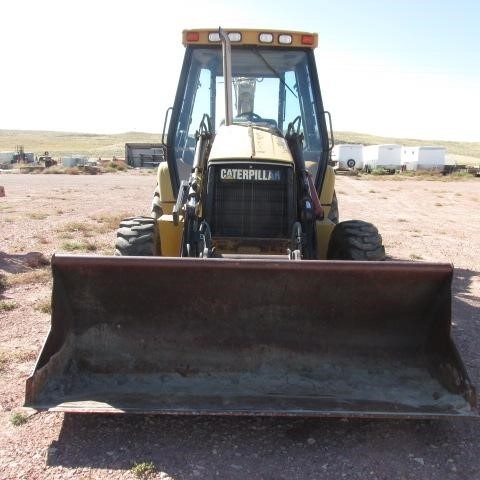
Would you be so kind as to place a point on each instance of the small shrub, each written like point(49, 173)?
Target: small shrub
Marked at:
point(72, 246)
point(76, 227)
point(44, 306)
point(75, 246)
point(66, 236)
point(90, 247)
point(38, 216)
point(116, 167)
point(18, 419)
point(3, 361)
point(3, 282)
point(143, 469)
point(7, 306)
point(24, 355)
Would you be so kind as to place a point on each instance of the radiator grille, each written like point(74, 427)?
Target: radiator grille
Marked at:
point(258, 208)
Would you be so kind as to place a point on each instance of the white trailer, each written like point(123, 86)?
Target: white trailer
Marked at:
point(424, 158)
point(388, 156)
point(347, 156)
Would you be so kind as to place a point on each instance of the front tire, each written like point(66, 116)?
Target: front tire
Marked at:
point(355, 240)
point(137, 236)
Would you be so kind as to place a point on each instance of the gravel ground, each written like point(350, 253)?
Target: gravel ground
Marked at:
point(419, 220)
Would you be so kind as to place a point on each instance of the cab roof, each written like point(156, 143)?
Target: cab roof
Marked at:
point(260, 37)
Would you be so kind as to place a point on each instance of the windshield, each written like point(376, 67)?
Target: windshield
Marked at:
point(270, 88)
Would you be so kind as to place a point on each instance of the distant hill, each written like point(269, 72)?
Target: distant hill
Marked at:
point(109, 145)
point(60, 144)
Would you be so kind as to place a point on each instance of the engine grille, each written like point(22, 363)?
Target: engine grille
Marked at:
point(254, 201)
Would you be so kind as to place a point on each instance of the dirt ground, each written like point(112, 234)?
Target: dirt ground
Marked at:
point(421, 220)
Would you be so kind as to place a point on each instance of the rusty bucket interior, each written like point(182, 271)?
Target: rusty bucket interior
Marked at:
point(251, 337)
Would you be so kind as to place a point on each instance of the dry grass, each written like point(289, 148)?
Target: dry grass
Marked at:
point(76, 227)
point(418, 175)
point(38, 275)
point(7, 305)
point(18, 419)
point(38, 216)
point(109, 223)
point(3, 282)
point(13, 355)
point(44, 305)
point(85, 237)
point(3, 361)
point(102, 224)
point(81, 246)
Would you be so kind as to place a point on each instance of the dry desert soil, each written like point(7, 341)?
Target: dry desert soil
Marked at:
point(420, 219)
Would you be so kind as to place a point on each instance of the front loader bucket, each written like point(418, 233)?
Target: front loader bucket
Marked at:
point(251, 337)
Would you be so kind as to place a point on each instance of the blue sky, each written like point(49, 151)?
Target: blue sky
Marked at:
point(396, 68)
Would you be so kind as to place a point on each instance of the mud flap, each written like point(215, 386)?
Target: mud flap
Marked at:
point(251, 337)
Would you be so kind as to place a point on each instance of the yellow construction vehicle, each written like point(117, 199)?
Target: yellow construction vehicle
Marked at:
point(242, 292)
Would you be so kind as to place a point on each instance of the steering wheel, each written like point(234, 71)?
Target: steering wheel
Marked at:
point(249, 116)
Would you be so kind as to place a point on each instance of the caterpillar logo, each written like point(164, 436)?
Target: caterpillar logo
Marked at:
point(250, 174)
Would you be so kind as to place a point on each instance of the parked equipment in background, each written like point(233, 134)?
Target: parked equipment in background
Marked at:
point(46, 160)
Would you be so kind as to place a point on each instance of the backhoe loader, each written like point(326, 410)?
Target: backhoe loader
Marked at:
point(240, 292)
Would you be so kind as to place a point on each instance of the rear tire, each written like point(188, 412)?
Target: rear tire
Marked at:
point(137, 236)
point(355, 240)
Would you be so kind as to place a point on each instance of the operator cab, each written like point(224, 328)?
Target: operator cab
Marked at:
point(274, 85)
